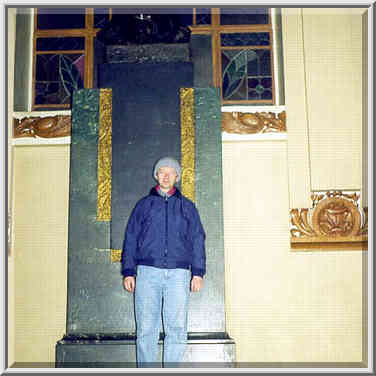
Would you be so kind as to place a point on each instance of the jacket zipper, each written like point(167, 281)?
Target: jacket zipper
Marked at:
point(166, 229)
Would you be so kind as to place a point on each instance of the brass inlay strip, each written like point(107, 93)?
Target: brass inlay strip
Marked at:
point(115, 255)
point(187, 142)
point(104, 156)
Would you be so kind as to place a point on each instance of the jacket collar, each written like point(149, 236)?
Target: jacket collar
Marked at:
point(154, 192)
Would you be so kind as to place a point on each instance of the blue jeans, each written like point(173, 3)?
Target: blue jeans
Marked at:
point(167, 291)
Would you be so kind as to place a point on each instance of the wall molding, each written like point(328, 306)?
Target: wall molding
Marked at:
point(253, 123)
point(335, 221)
point(43, 127)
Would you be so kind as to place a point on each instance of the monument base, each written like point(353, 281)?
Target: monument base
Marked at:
point(211, 350)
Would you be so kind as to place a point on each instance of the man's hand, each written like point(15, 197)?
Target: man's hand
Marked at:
point(196, 283)
point(129, 283)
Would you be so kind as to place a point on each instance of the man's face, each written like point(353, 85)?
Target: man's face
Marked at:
point(166, 177)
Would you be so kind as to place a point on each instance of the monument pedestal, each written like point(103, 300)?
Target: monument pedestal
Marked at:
point(119, 351)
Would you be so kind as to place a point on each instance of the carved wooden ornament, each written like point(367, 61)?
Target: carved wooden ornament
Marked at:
point(334, 218)
point(250, 123)
point(45, 127)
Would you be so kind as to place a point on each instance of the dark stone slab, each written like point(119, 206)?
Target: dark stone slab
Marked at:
point(145, 127)
point(99, 58)
point(201, 52)
point(119, 351)
point(148, 53)
point(207, 309)
point(146, 26)
point(92, 286)
point(22, 59)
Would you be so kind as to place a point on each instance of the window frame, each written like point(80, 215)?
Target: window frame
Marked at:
point(89, 33)
point(216, 29)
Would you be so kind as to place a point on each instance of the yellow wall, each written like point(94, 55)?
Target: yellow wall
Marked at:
point(285, 306)
point(333, 64)
point(41, 195)
point(324, 78)
point(282, 306)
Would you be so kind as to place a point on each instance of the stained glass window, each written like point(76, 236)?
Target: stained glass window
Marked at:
point(60, 44)
point(246, 75)
point(242, 52)
point(203, 16)
point(101, 17)
point(246, 58)
point(60, 18)
point(56, 76)
point(245, 39)
point(244, 16)
point(242, 47)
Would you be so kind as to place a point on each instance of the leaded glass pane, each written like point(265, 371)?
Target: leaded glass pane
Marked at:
point(259, 62)
point(60, 18)
point(233, 72)
point(101, 17)
point(267, 94)
point(245, 39)
point(244, 16)
point(203, 16)
point(57, 76)
point(246, 75)
point(60, 44)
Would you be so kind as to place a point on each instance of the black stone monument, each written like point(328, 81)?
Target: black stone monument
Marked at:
point(146, 125)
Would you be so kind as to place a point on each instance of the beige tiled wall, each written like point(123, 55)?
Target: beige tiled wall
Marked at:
point(333, 56)
point(296, 105)
point(324, 61)
point(286, 306)
point(41, 194)
point(282, 306)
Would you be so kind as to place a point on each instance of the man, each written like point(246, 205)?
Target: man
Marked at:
point(163, 255)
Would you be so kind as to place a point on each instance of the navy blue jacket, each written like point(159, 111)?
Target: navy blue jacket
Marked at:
point(164, 233)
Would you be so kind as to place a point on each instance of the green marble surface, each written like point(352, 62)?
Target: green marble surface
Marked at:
point(96, 301)
point(207, 307)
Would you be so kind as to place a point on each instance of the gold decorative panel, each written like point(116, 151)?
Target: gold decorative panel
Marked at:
point(104, 156)
point(187, 142)
point(334, 220)
point(115, 255)
point(250, 123)
point(45, 127)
